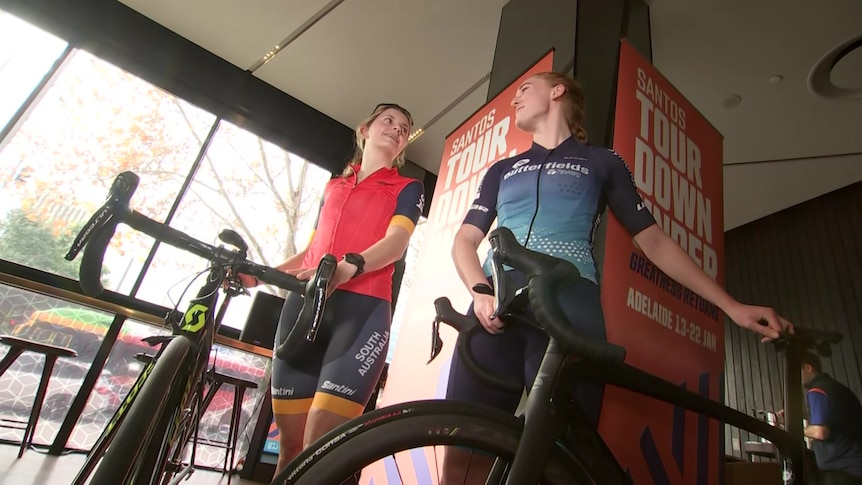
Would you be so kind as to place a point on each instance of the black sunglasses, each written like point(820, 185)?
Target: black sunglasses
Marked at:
point(383, 106)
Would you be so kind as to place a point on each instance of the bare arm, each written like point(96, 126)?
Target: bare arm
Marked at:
point(380, 254)
point(670, 258)
point(387, 250)
point(817, 432)
point(467, 240)
point(292, 262)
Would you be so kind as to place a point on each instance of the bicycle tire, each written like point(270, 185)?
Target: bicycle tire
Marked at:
point(173, 428)
point(397, 428)
point(137, 430)
point(159, 450)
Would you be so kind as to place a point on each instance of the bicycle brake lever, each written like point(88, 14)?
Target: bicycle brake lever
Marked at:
point(325, 272)
point(436, 341)
point(498, 276)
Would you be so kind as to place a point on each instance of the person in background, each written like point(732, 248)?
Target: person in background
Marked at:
point(834, 425)
point(366, 218)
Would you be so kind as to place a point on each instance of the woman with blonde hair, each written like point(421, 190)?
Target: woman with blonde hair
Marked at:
point(551, 198)
point(366, 218)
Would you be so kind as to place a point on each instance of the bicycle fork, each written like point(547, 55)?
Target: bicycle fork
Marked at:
point(542, 425)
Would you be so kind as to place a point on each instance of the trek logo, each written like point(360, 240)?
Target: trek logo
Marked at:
point(520, 163)
point(339, 388)
point(641, 206)
point(481, 208)
point(421, 204)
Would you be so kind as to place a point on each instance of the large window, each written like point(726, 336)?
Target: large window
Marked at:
point(88, 122)
point(29, 315)
point(26, 54)
point(267, 195)
point(93, 122)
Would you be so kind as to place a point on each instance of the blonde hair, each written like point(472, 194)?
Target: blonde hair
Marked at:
point(573, 101)
point(360, 140)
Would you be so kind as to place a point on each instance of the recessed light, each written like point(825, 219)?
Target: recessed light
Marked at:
point(732, 101)
point(776, 79)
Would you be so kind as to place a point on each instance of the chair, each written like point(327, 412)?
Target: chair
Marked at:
point(217, 379)
point(17, 346)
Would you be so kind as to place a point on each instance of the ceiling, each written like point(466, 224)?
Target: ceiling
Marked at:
point(783, 145)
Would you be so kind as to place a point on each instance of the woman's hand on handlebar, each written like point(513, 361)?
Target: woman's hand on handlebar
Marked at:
point(760, 319)
point(344, 271)
point(483, 307)
point(247, 281)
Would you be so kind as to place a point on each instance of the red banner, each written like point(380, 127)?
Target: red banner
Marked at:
point(488, 136)
point(675, 157)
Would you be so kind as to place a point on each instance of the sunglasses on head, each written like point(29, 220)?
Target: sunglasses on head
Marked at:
point(384, 106)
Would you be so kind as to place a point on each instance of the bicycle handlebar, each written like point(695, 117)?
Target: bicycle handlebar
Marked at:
point(808, 338)
point(96, 234)
point(547, 275)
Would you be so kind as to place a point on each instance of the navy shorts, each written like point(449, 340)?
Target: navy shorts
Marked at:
point(345, 362)
point(517, 353)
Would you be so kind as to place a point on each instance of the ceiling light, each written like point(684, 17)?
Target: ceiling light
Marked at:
point(416, 134)
point(732, 101)
point(776, 79)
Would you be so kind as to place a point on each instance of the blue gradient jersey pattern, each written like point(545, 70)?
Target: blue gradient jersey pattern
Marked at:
point(552, 200)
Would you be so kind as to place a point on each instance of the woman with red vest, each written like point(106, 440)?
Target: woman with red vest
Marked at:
point(366, 218)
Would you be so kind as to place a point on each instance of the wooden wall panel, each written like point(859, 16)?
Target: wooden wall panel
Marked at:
point(805, 262)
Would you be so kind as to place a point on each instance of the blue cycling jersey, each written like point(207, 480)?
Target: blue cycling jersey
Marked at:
point(552, 200)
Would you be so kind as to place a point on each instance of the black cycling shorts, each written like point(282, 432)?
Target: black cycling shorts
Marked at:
point(517, 353)
point(345, 361)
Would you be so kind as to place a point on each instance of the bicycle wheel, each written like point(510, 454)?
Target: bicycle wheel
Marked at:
point(138, 429)
point(381, 434)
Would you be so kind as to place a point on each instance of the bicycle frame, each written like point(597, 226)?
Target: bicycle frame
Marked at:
point(197, 325)
point(550, 413)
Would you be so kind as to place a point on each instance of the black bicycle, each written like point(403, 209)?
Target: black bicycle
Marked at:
point(552, 441)
point(146, 439)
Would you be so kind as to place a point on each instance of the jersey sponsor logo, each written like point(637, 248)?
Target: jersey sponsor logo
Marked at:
point(421, 204)
point(383, 182)
point(521, 163)
point(339, 388)
point(371, 351)
point(478, 190)
point(552, 168)
point(521, 169)
point(282, 391)
point(641, 206)
point(566, 168)
point(477, 207)
point(620, 158)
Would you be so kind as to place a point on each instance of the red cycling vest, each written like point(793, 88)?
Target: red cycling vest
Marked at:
point(353, 217)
